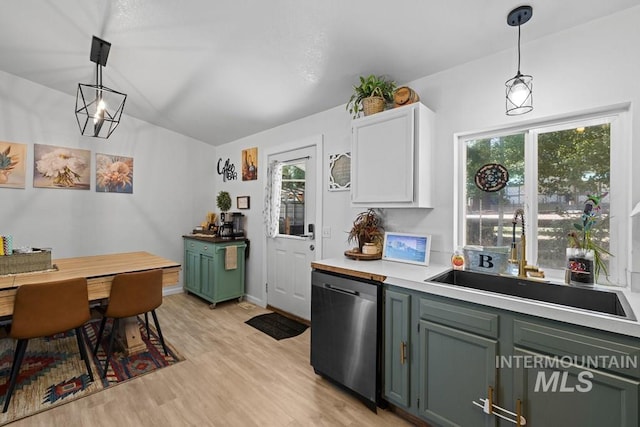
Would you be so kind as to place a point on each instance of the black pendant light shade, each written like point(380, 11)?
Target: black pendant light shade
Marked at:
point(98, 108)
point(519, 92)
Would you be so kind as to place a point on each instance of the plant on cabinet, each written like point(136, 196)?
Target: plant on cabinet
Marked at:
point(223, 201)
point(371, 95)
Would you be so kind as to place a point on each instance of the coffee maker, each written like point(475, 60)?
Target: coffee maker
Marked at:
point(238, 224)
point(226, 227)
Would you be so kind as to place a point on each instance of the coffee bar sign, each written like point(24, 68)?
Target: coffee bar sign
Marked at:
point(227, 170)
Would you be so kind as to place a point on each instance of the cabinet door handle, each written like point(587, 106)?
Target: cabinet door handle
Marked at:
point(491, 408)
point(403, 352)
point(520, 420)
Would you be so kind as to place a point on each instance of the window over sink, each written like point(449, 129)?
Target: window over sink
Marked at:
point(552, 168)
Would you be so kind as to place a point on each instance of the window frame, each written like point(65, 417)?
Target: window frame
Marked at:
point(620, 196)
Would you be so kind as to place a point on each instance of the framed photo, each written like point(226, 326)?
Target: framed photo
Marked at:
point(250, 164)
point(340, 172)
point(114, 174)
point(13, 162)
point(61, 167)
point(242, 202)
point(409, 248)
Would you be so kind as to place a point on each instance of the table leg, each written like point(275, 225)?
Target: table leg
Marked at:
point(129, 336)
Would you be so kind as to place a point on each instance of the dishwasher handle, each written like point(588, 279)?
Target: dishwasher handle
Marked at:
point(342, 290)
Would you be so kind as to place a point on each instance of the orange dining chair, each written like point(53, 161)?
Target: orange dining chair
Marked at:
point(45, 309)
point(132, 294)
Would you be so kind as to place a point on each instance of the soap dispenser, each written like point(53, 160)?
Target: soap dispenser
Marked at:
point(457, 260)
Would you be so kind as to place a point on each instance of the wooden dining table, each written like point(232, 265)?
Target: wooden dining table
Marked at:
point(99, 270)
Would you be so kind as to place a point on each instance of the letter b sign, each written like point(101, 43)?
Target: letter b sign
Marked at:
point(486, 261)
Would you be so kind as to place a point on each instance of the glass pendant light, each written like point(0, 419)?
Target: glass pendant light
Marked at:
point(519, 93)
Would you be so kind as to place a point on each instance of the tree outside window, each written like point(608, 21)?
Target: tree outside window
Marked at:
point(572, 163)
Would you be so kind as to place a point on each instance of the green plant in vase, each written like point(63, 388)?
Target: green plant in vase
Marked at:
point(583, 245)
point(223, 201)
point(367, 228)
point(369, 89)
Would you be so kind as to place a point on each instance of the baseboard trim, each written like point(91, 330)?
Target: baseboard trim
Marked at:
point(418, 422)
point(172, 290)
point(289, 315)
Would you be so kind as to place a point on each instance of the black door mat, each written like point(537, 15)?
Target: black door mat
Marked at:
point(276, 325)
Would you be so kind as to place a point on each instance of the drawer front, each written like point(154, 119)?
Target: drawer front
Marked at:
point(198, 246)
point(594, 352)
point(464, 318)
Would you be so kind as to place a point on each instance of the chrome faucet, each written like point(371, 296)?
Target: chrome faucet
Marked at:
point(523, 268)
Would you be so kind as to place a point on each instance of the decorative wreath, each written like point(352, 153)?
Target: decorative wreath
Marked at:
point(492, 177)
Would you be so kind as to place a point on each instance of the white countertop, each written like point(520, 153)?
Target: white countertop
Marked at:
point(413, 277)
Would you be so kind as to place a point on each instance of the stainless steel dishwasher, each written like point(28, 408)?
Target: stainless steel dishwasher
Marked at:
point(346, 320)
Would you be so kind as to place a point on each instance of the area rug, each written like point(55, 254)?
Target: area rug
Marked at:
point(53, 373)
point(276, 325)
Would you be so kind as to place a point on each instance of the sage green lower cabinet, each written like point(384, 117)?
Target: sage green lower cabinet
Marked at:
point(457, 352)
point(570, 376)
point(565, 394)
point(205, 273)
point(396, 351)
point(456, 368)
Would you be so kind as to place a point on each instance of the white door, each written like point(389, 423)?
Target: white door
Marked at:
point(291, 251)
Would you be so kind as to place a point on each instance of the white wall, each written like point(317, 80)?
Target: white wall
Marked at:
point(175, 181)
point(334, 126)
point(591, 66)
point(172, 182)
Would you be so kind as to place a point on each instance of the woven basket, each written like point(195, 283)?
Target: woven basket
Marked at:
point(373, 104)
point(24, 263)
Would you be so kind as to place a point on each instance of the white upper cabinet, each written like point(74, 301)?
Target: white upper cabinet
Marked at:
point(391, 158)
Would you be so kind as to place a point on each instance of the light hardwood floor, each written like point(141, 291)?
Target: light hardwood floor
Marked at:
point(233, 375)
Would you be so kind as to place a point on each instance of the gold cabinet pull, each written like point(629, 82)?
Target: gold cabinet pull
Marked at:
point(490, 399)
point(403, 352)
point(520, 421)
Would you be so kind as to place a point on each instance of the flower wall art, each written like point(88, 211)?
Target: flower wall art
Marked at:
point(13, 160)
point(114, 174)
point(60, 167)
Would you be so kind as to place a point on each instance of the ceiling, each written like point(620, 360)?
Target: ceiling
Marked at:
point(219, 70)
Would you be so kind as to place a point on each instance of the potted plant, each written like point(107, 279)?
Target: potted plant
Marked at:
point(371, 96)
point(585, 258)
point(223, 201)
point(367, 228)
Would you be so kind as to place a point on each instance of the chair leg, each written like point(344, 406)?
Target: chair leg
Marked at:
point(114, 330)
point(83, 352)
point(18, 356)
point(146, 321)
point(99, 338)
point(155, 320)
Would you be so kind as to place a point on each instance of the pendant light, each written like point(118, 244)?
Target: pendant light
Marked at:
point(98, 108)
point(519, 94)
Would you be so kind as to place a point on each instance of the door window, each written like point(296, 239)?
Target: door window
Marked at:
point(292, 199)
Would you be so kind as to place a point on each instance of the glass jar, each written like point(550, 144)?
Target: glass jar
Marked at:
point(580, 266)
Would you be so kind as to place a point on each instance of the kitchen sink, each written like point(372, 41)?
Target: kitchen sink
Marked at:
point(611, 302)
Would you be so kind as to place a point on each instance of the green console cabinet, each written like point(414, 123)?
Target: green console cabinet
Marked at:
point(210, 273)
